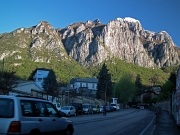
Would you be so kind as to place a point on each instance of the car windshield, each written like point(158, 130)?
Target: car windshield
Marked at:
point(6, 108)
point(65, 108)
point(113, 104)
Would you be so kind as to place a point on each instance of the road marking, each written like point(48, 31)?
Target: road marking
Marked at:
point(152, 132)
point(148, 126)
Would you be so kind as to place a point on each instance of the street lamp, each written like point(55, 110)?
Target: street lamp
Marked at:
point(105, 91)
point(69, 80)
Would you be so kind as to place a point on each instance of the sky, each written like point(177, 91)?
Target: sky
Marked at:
point(154, 15)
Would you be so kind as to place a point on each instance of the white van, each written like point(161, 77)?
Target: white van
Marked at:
point(32, 116)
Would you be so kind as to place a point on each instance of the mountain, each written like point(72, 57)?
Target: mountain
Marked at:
point(87, 43)
point(39, 43)
point(92, 42)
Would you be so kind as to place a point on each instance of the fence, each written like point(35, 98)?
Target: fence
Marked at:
point(171, 107)
point(82, 100)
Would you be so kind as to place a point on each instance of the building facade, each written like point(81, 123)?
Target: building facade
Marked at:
point(39, 76)
point(86, 86)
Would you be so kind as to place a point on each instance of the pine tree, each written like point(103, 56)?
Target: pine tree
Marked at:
point(138, 82)
point(8, 81)
point(50, 84)
point(104, 83)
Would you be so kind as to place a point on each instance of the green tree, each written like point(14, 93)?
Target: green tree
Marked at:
point(50, 84)
point(154, 79)
point(168, 87)
point(172, 78)
point(166, 90)
point(147, 98)
point(125, 88)
point(138, 83)
point(8, 81)
point(104, 83)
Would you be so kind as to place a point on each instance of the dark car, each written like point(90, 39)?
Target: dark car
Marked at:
point(79, 108)
point(109, 108)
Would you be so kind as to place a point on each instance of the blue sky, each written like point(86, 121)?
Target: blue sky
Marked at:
point(154, 15)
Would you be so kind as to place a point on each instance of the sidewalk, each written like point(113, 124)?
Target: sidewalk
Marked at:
point(165, 125)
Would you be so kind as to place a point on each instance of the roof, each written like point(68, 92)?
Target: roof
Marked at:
point(26, 83)
point(88, 80)
point(44, 69)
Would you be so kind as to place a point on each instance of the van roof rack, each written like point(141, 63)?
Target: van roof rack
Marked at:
point(30, 97)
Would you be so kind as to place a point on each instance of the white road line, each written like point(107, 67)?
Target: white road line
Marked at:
point(147, 126)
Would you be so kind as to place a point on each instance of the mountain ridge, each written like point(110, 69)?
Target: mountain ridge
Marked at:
point(122, 38)
point(91, 43)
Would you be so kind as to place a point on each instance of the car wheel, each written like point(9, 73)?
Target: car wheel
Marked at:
point(68, 114)
point(68, 131)
point(75, 114)
point(35, 132)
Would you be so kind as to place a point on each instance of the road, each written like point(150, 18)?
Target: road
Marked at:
point(122, 122)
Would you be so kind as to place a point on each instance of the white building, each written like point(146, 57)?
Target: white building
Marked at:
point(89, 83)
point(28, 88)
point(39, 76)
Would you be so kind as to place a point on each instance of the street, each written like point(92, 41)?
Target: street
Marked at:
point(123, 122)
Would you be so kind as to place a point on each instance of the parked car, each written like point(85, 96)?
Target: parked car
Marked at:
point(29, 115)
point(141, 107)
point(87, 109)
point(118, 107)
point(115, 106)
point(101, 109)
point(109, 108)
point(96, 109)
point(79, 108)
point(69, 110)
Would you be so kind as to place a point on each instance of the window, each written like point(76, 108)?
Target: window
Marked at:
point(6, 108)
point(39, 72)
point(93, 85)
point(51, 110)
point(26, 108)
point(38, 109)
point(39, 94)
point(40, 79)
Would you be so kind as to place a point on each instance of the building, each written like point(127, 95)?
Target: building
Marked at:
point(86, 86)
point(178, 97)
point(154, 92)
point(39, 75)
point(29, 88)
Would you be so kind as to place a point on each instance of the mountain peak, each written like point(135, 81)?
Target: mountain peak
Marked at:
point(96, 21)
point(129, 19)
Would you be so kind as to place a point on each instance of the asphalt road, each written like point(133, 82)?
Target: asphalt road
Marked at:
point(122, 122)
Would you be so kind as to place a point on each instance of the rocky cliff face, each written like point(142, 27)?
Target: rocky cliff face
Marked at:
point(91, 43)
point(39, 43)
